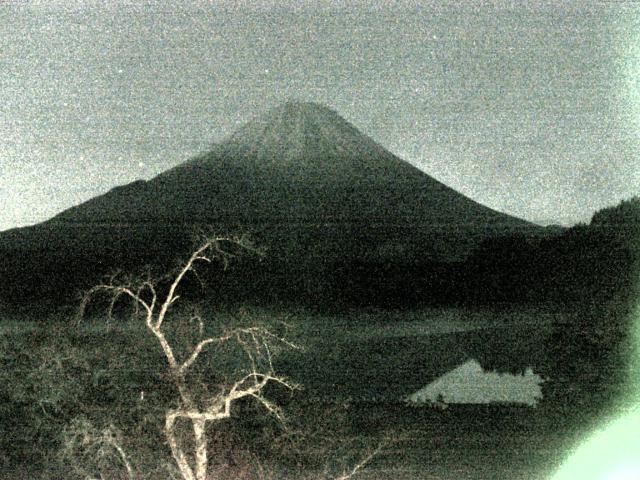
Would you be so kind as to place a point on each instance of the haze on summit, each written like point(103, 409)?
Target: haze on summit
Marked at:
point(530, 108)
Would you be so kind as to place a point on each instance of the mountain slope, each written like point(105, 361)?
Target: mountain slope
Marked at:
point(299, 162)
point(304, 182)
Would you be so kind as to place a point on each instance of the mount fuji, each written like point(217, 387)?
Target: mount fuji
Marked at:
point(300, 162)
point(300, 179)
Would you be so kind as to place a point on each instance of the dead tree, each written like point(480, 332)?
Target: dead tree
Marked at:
point(153, 303)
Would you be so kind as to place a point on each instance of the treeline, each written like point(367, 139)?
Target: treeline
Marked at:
point(591, 272)
point(594, 263)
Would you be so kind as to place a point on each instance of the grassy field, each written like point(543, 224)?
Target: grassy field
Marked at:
point(355, 369)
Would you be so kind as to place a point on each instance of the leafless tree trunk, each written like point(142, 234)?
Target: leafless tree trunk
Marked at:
point(256, 342)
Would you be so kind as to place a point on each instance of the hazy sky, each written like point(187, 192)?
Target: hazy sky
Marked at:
point(532, 108)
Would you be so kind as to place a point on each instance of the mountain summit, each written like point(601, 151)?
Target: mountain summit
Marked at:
point(303, 141)
point(300, 132)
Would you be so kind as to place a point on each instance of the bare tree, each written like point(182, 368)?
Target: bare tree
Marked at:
point(82, 439)
point(153, 302)
point(362, 463)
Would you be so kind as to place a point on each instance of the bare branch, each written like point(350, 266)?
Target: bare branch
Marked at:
point(111, 437)
point(271, 407)
point(362, 463)
point(258, 344)
point(238, 390)
point(196, 352)
point(171, 296)
point(148, 285)
point(115, 292)
point(200, 254)
point(164, 344)
point(198, 318)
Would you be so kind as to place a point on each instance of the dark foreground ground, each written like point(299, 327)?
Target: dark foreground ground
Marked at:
point(372, 373)
point(463, 442)
point(356, 370)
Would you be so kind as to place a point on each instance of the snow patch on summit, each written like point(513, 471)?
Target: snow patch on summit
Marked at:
point(296, 131)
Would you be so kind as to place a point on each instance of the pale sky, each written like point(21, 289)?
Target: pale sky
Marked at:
point(531, 108)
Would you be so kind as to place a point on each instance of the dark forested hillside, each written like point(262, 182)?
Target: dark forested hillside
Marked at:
point(597, 261)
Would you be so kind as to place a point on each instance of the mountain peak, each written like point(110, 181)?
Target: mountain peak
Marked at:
point(297, 131)
point(288, 115)
point(297, 108)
